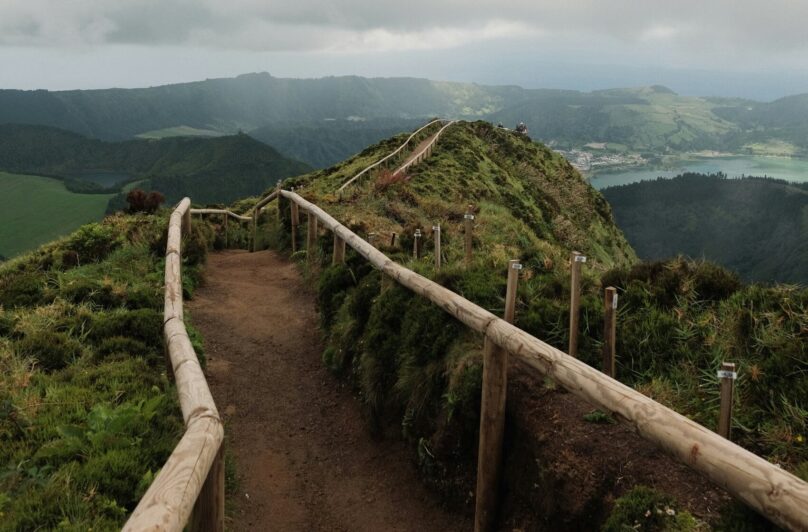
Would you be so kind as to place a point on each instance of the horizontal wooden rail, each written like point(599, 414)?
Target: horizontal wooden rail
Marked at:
point(773, 492)
point(425, 151)
point(389, 156)
point(222, 211)
point(196, 461)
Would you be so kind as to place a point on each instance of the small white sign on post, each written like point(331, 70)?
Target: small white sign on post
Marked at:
point(724, 374)
point(468, 216)
point(614, 302)
point(516, 266)
point(580, 258)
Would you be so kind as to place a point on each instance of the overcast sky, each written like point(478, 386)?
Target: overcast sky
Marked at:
point(708, 47)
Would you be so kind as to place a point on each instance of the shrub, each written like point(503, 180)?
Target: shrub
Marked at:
point(52, 350)
point(145, 325)
point(645, 509)
point(122, 345)
point(22, 289)
point(93, 242)
point(142, 201)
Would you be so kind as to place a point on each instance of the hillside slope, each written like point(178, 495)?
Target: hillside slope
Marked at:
point(208, 169)
point(647, 119)
point(757, 227)
point(530, 201)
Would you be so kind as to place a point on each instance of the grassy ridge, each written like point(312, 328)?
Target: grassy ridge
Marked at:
point(36, 210)
point(418, 372)
point(87, 414)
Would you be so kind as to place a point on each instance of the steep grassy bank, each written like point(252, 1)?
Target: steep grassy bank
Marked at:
point(87, 414)
point(417, 372)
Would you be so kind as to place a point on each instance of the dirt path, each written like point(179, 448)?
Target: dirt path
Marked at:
point(304, 457)
point(418, 149)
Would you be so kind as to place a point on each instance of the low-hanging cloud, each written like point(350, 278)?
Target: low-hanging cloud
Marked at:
point(373, 25)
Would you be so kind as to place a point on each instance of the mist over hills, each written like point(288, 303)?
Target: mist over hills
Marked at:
point(299, 116)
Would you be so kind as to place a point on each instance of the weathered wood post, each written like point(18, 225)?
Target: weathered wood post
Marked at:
point(436, 236)
point(186, 222)
point(254, 230)
point(208, 512)
point(278, 198)
point(226, 235)
point(575, 300)
point(338, 255)
point(727, 375)
point(295, 223)
point(609, 330)
point(468, 228)
point(416, 244)
point(311, 237)
point(492, 415)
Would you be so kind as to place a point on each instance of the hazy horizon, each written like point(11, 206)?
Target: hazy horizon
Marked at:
point(716, 48)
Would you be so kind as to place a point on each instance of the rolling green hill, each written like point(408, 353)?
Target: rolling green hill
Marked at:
point(283, 112)
point(208, 169)
point(757, 227)
point(35, 210)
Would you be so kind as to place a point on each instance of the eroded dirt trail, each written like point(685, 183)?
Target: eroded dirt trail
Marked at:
point(304, 457)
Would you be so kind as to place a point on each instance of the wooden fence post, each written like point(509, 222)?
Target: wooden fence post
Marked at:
point(468, 228)
point(186, 222)
point(416, 244)
point(492, 415)
point(727, 375)
point(338, 255)
point(311, 240)
point(295, 223)
point(254, 246)
point(278, 198)
point(609, 330)
point(575, 300)
point(226, 235)
point(208, 512)
point(436, 236)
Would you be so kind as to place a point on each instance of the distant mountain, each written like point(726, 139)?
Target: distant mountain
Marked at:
point(207, 169)
point(348, 111)
point(246, 103)
point(324, 143)
point(756, 226)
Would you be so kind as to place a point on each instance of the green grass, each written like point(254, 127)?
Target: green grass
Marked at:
point(35, 210)
point(87, 413)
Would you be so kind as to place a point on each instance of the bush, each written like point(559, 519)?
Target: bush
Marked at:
point(52, 350)
point(22, 289)
point(144, 325)
point(142, 201)
point(122, 345)
point(645, 509)
point(93, 242)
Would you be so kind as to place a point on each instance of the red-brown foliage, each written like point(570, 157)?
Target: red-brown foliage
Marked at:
point(142, 201)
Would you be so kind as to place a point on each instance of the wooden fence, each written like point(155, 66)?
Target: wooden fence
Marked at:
point(396, 152)
point(775, 493)
point(192, 478)
point(190, 486)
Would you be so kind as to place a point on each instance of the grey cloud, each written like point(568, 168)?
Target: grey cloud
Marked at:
point(690, 26)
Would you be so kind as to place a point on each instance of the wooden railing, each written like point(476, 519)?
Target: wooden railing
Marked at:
point(425, 152)
point(192, 478)
point(391, 155)
point(775, 493)
point(190, 486)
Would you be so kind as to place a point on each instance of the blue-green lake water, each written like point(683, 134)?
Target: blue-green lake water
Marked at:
point(776, 167)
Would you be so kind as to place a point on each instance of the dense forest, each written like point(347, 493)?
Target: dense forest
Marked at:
point(208, 169)
point(755, 226)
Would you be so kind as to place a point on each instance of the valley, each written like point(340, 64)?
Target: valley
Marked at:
point(35, 210)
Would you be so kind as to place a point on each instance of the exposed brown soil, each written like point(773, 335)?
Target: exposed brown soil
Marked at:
point(304, 456)
point(411, 157)
point(564, 472)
